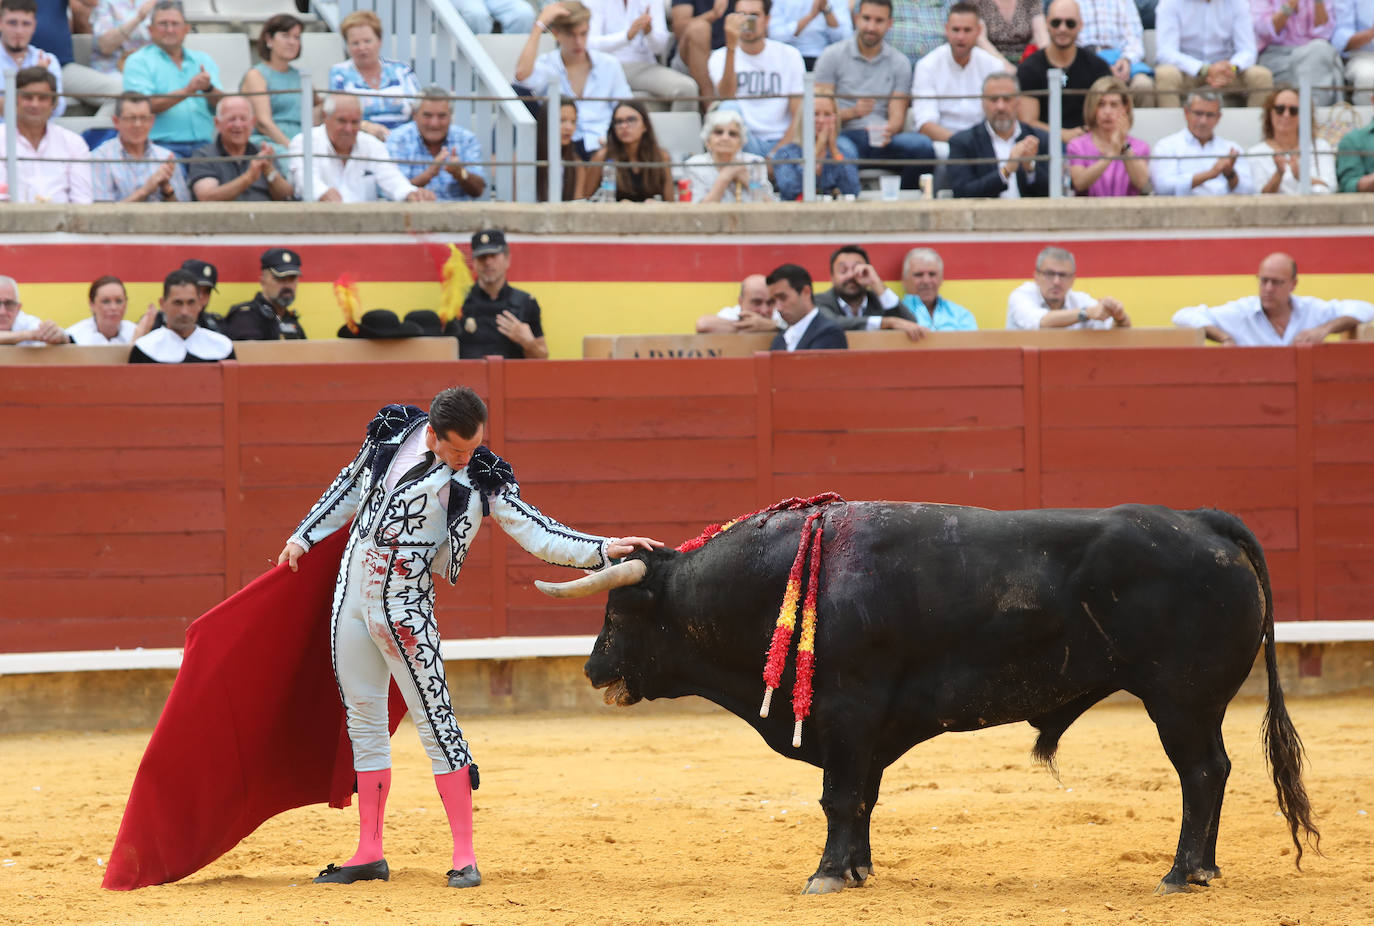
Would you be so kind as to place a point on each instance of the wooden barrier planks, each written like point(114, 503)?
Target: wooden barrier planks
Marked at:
point(1343, 481)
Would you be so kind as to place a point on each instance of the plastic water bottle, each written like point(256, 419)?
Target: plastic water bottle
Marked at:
point(755, 189)
point(606, 192)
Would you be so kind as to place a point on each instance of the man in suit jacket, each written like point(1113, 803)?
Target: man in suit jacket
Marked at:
point(1015, 172)
point(858, 300)
point(789, 293)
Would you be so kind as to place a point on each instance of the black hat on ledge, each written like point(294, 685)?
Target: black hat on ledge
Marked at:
point(382, 324)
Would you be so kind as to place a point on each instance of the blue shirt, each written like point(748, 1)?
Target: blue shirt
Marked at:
point(948, 316)
point(605, 80)
point(782, 26)
point(1244, 319)
point(52, 31)
point(31, 58)
point(149, 70)
point(1351, 16)
point(405, 144)
point(399, 85)
point(112, 182)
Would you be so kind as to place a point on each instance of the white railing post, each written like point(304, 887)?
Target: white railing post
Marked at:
point(1056, 123)
point(307, 128)
point(808, 138)
point(1305, 149)
point(554, 137)
point(11, 135)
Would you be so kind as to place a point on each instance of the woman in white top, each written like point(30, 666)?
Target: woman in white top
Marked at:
point(713, 178)
point(107, 324)
point(1273, 162)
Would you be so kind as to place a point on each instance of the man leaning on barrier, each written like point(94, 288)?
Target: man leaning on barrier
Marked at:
point(1050, 301)
point(858, 300)
point(750, 315)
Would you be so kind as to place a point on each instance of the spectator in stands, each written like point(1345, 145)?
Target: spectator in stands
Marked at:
point(515, 16)
point(107, 324)
point(268, 316)
point(699, 27)
point(836, 173)
point(572, 175)
point(17, 326)
point(632, 140)
point(180, 340)
point(388, 87)
point(918, 26)
point(278, 117)
point(755, 75)
point(120, 28)
point(871, 81)
point(1112, 29)
point(949, 80)
point(435, 154)
point(789, 294)
point(579, 71)
point(1276, 316)
point(636, 33)
point(1108, 160)
point(1294, 41)
point(726, 173)
point(1355, 160)
point(1014, 174)
point(17, 21)
point(1014, 26)
point(497, 318)
point(1050, 301)
point(923, 273)
point(750, 315)
point(809, 26)
point(207, 284)
point(1080, 66)
point(54, 35)
point(183, 85)
point(350, 167)
point(858, 300)
point(1201, 43)
point(60, 167)
point(1273, 163)
point(129, 168)
point(251, 175)
point(1354, 39)
point(1194, 161)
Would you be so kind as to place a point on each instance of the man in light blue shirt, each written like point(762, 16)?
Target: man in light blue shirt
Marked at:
point(437, 155)
point(1275, 317)
point(182, 84)
point(810, 26)
point(1354, 39)
point(923, 272)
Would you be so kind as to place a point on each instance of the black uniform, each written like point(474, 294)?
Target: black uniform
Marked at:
point(256, 320)
point(478, 335)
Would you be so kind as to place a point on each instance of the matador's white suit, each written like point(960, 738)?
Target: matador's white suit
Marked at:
point(412, 513)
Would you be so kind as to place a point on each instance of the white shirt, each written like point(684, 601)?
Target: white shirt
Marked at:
point(65, 178)
point(938, 75)
point(776, 70)
point(367, 171)
point(604, 85)
point(1026, 306)
point(166, 346)
point(1190, 34)
point(1245, 321)
point(611, 21)
point(85, 332)
point(1001, 147)
point(794, 333)
point(733, 313)
point(1176, 158)
point(23, 321)
point(1323, 168)
point(888, 300)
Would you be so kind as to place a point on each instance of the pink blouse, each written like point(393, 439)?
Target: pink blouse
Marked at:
point(1083, 152)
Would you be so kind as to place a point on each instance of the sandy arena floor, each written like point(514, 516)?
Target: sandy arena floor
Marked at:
point(643, 815)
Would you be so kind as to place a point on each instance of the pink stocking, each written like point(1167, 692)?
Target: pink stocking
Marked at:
point(373, 788)
point(455, 790)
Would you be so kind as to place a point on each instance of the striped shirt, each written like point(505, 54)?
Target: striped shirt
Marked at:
point(115, 182)
point(918, 27)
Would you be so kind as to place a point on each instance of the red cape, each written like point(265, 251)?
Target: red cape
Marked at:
point(253, 726)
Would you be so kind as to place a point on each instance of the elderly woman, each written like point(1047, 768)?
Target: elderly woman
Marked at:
point(1106, 160)
point(713, 178)
point(278, 115)
point(367, 73)
point(1273, 163)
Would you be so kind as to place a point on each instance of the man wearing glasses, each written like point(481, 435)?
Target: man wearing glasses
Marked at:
point(17, 326)
point(1080, 66)
point(1050, 301)
point(1195, 161)
point(131, 169)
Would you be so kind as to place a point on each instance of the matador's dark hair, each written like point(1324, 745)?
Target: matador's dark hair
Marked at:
point(457, 410)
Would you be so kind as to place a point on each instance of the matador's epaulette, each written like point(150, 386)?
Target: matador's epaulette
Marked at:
point(391, 421)
point(488, 471)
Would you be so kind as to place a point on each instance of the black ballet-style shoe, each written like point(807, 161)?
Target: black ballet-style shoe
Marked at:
point(467, 876)
point(347, 874)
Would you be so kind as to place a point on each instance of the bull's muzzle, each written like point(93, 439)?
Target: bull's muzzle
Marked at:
point(621, 574)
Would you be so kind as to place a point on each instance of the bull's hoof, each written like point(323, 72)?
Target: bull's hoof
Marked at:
point(857, 875)
point(1167, 887)
point(823, 884)
point(1204, 876)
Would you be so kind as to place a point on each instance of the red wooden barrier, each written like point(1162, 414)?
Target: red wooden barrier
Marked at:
point(135, 498)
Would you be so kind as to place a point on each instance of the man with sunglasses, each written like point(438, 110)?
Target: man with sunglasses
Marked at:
point(1209, 44)
point(1050, 301)
point(1080, 66)
point(1195, 161)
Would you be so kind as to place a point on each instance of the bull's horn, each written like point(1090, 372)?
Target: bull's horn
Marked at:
point(626, 573)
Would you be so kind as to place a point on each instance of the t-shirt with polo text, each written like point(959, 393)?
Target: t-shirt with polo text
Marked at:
point(775, 71)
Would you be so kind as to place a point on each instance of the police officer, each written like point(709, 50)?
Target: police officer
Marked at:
point(268, 316)
point(496, 317)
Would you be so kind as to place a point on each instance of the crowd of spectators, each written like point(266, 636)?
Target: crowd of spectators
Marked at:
point(950, 94)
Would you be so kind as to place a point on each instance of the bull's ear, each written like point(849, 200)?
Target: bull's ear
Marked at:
point(621, 574)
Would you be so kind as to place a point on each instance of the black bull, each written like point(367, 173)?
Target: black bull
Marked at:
point(935, 618)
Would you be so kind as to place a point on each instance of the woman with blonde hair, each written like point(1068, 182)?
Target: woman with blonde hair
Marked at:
point(387, 88)
point(1106, 160)
point(1274, 162)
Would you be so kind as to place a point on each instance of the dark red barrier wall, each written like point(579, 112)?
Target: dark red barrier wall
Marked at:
point(135, 498)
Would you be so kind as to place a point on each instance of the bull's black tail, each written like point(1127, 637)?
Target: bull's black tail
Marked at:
point(1282, 747)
